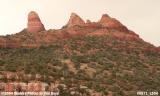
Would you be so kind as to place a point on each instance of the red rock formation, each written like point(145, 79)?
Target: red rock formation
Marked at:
point(32, 38)
point(35, 87)
point(100, 32)
point(9, 87)
point(126, 36)
point(93, 25)
point(2, 42)
point(34, 23)
point(158, 49)
point(75, 20)
point(109, 22)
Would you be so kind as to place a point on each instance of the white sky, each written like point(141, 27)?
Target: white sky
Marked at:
point(141, 16)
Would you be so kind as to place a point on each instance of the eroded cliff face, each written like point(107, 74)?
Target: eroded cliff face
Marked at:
point(35, 34)
point(34, 23)
point(75, 20)
point(110, 22)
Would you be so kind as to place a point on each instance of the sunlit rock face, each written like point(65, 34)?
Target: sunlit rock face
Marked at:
point(109, 22)
point(35, 34)
point(75, 20)
point(34, 23)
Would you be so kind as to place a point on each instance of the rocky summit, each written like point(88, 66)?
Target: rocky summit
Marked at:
point(75, 20)
point(107, 21)
point(35, 34)
point(34, 23)
point(102, 58)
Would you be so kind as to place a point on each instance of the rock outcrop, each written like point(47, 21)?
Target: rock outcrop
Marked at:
point(2, 42)
point(34, 23)
point(75, 20)
point(28, 39)
point(109, 22)
point(158, 49)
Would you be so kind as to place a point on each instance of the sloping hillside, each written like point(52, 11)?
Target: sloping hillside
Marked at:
point(105, 59)
point(101, 63)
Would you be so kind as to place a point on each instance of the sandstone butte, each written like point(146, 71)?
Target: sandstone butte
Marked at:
point(75, 20)
point(107, 21)
point(34, 23)
point(35, 34)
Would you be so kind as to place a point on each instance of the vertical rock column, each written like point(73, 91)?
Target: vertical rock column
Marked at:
point(34, 23)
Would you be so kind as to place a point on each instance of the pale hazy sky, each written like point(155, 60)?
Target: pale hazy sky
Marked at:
point(141, 16)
